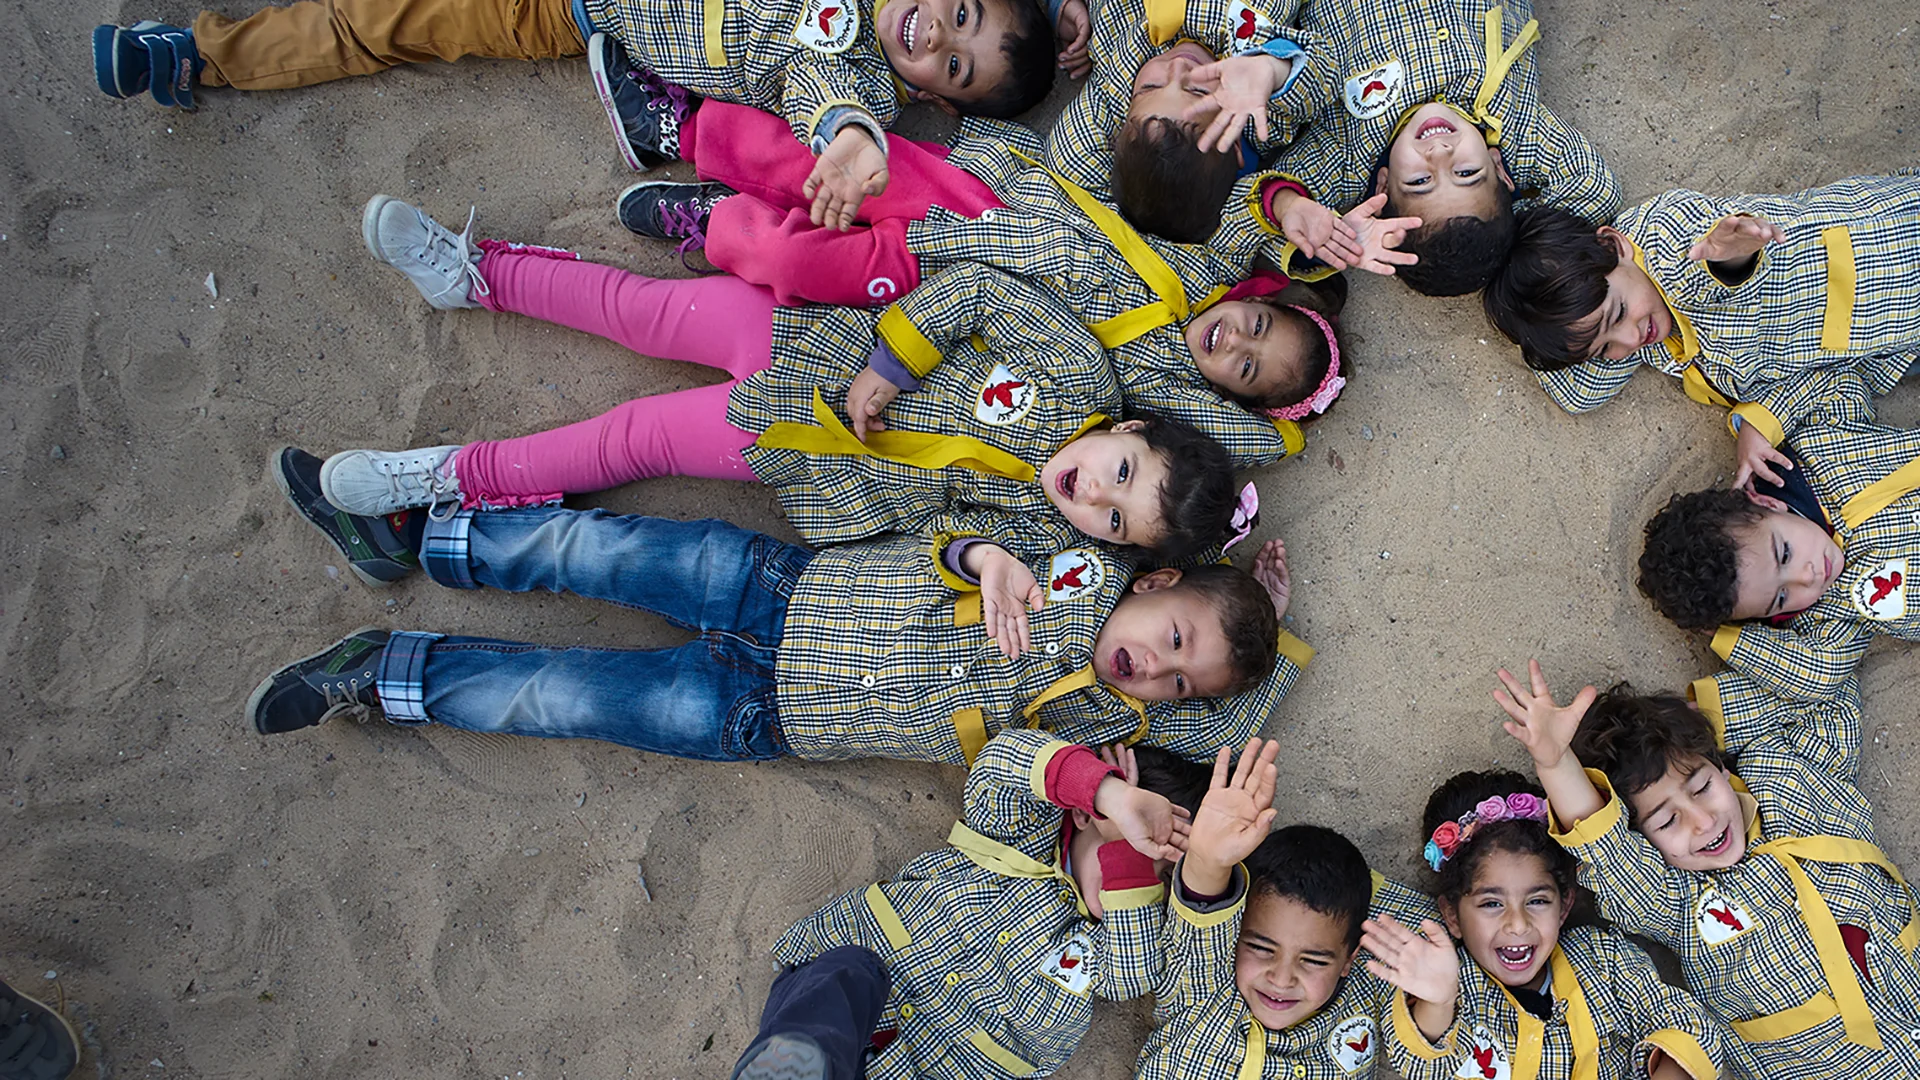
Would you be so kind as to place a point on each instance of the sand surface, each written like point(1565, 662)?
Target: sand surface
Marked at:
point(366, 901)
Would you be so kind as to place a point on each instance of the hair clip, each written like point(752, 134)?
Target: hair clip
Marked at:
point(1246, 512)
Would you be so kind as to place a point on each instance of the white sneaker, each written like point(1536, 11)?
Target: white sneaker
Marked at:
point(374, 482)
point(439, 261)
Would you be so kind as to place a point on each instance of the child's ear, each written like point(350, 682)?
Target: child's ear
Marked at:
point(1618, 241)
point(1125, 426)
point(1164, 578)
point(1500, 168)
point(1082, 820)
point(1767, 501)
point(934, 100)
point(1379, 182)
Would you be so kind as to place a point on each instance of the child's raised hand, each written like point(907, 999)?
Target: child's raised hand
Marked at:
point(1543, 727)
point(851, 168)
point(1735, 238)
point(1423, 962)
point(1007, 591)
point(1379, 238)
point(1155, 827)
point(1120, 756)
point(1238, 87)
point(1072, 29)
point(1270, 570)
point(1238, 810)
point(1318, 232)
point(869, 393)
point(1755, 456)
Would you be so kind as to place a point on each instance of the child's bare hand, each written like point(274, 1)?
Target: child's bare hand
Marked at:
point(1073, 29)
point(1155, 827)
point(1238, 88)
point(1755, 456)
point(869, 393)
point(1120, 756)
point(1270, 570)
point(1379, 238)
point(1007, 591)
point(1422, 963)
point(852, 168)
point(1735, 238)
point(1318, 232)
point(1543, 727)
point(1238, 810)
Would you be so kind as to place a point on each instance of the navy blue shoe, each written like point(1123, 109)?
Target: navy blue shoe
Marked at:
point(147, 56)
point(645, 110)
point(375, 547)
point(314, 689)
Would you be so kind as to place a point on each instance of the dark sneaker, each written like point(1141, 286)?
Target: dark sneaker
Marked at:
point(645, 110)
point(36, 1043)
point(313, 690)
point(147, 56)
point(783, 1057)
point(375, 547)
point(665, 210)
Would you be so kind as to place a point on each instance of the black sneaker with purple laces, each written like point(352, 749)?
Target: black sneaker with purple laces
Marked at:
point(666, 210)
point(645, 110)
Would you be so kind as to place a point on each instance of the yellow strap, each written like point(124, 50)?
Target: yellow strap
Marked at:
point(1011, 1062)
point(909, 346)
point(1291, 437)
point(1080, 680)
point(1165, 20)
point(912, 448)
point(713, 20)
point(968, 610)
point(1499, 62)
point(997, 857)
point(888, 918)
point(1254, 1065)
point(970, 725)
point(1836, 327)
point(1810, 1013)
point(1700, 390)
point(1880, 494)
point(1530, 1044)
point(1586, 1036)
point(1840, 849)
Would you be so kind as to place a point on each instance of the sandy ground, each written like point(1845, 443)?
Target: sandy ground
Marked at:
point(363, 901)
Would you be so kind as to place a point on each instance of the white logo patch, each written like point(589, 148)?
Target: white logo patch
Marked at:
point(827, 26)
point(1370, 93)
point(1352, 1043)
point(881, 287)
point(1485, 1059)
point(1246, 27)
point(1074, 573)
point(1882, 594)
point(1004, 398)
point(1720, 920)
point(1068, 964)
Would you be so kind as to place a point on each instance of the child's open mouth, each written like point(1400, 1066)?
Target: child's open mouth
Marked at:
point(1274, 1003)
point(909, 25)
point(1065, 482)
point(1213, 335)
point(1120, 664)
point(1435, 126)
point(1515, 957)
point(1653, 332)
point(1720, 843)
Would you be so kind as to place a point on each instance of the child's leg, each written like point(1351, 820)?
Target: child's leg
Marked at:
point(316, 41)
point(866, 266)
point(824, 1009)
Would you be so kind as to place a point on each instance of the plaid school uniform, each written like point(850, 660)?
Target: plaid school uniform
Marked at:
point(1865, 477)
point(1764, 943)
point(1610, 1012)
point(993, 958)
point(1204, 1031)
point(1837, 292)
point(793, 58)
point(1386, 59)
point(962, 453)
point(884, 654)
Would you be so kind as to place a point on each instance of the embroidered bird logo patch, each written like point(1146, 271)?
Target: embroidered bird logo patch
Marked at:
point(1881, 594)
point(1369, 93)
point(1005, 398)
point(1720, 919)
point(1067, 965)
point(1074, 573)
point(827, 26)
point(1485, 1059)
point(1247, 26)
point(1351, 1045)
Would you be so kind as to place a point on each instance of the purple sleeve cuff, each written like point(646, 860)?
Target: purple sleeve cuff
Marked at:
point(955, 553)
point(882, 360)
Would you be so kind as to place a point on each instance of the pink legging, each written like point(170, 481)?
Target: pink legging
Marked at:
point(721, 322)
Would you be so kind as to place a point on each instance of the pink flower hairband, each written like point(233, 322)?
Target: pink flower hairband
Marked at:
point(1450, 836)
point(1330, 385)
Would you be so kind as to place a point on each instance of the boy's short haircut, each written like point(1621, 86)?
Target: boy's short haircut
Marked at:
point(1165, 185)
point(1690, 564)
point(1462, 253)
point(1198, 498)
point(1246, 618)
point(1633, 738)
point(1520, 836)
point(1028, 47)
point(1555, 276)
point(1317, 867)
point(1163, 772)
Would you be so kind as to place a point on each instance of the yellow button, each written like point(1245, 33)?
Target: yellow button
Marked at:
point(952, 979)
point(1440, 34)
point(906, 1012)
point(1299, 1070)
point(1005, 937)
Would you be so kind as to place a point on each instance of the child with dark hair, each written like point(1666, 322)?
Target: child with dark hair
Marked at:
point(1803, 572)
point(1533, 997)
point(1156, 156)
point(1767, 880)
point(1742, 297)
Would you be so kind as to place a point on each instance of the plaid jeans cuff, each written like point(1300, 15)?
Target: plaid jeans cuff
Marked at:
point(444, 548)
point(402, 681)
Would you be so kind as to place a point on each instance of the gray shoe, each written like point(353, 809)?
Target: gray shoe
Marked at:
point(375, 482)
point(783, 1057)
point(440, 262)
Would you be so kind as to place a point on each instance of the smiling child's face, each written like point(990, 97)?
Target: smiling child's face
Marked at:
point(1785, 563)
point(1107, 484)
point(1164, 643)
point(1633, 316)
point(1693, 817)
point(1248, 348)
point(1509, 918)
point(949, 50)
point(1439, 166)
point(1290, 959)
point(1164, 85)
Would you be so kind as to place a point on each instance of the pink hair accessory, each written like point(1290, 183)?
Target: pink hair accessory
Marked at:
point(1245, 512)
point(1450, 836)
point(1329, 387)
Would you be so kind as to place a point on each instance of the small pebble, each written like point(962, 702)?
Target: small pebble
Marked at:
point(59, 452)
point(1386, 554)
point(640, 872)
point(530, 852)
point(333, 572)
point(51, 975)
point(1366, 432)
point(580, 799)
point(213, 287)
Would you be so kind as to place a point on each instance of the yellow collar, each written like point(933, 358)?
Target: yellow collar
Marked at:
point(1529, 1049)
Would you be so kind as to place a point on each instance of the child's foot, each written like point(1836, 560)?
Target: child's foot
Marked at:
point(665, 210)
point(147, 56)
point(645, 110)
point(440, 262)
point(376, 548)
point(315, 689)
point(379, 482)
point(36, 1043)
point(784, 1057)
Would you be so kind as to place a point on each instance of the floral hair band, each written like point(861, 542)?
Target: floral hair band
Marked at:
point(1330, 385)
point(1451, 836)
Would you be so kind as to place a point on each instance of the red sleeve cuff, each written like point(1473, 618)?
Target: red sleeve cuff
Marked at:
point(1074, 775)
point(1121, 867)
point(1270, 190)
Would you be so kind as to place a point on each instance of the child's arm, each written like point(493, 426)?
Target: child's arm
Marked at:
point(1253, 439)
point(1379, 238)
point(1073, 26)
point(1676, 1037)
point(1808, 661)
point(1234, 817)
point(1731, 248)
point(1024, 778)
point(1546, 730)
point(1574, 175)
point(1772, 413)
point(1239, 89)
point(1426, 968)
point(1826, 733)
point(851, 167)
point(841, 112)
point(1007, 591)
point(1587, 385)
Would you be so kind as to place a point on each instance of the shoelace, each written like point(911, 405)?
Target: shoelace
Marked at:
point(443, 243)
point(348, 700)
point(683, 219)
point(406, 483)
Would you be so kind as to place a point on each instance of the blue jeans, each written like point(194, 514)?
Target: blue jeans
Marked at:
point(712, 698)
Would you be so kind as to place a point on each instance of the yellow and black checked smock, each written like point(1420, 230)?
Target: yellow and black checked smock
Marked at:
point(1204, 1031)
point(1610, 1011)
point(1838, 292)
point(884, 654)
point(1389, 57)
point(793, 58)
point(1865, 477)
point(993, 958)
point(963, 452)
point(1759, 941)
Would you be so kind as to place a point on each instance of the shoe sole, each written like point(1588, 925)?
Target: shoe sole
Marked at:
point(280, 481)
point(73, 1037)
point(785, 1058)
point(603, 89)
point(266, 685)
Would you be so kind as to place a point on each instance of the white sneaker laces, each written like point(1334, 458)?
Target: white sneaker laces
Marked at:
point(443, 244)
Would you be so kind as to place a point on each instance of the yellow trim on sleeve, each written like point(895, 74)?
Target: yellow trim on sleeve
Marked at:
point(1685, 1049)
point(1594, 825)
point(970, 727)
point(1202, 920)
point(1037, 772)
point(713, 25)
point(1705, 693)
point(1880, 494)
point(1836, 325)
point(969, 609)
point(820, 113)
point(937, 551)
point(888, 918)
point(1289, 252)
point(1809, 1014)
point(1128, 899)
point(1008, 1060)
point(1413, 1039)
point(1293, 649)
point(1292, 436)
point(911, 347)
point(1759, 416)
point(1725, 639)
